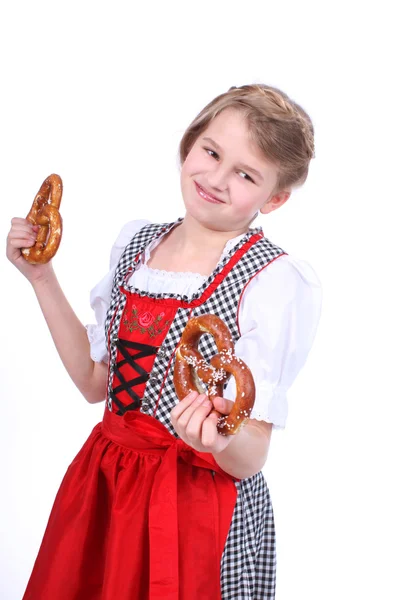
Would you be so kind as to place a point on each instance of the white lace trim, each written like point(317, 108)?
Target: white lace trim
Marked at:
point(258, 416)
point(93, 332)
point(98, 350)
point(174, 274)
point(270, 404)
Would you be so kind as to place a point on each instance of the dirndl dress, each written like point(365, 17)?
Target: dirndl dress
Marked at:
point(139, 514)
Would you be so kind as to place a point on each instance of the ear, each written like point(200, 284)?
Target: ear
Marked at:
point(275, 202)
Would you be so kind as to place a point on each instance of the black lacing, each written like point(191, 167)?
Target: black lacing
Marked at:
point(125, 347)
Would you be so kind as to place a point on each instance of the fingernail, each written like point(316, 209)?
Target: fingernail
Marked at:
point(207, 403)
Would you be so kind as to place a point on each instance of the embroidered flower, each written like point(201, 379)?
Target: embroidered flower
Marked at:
point(145, 322)
point(146, 319)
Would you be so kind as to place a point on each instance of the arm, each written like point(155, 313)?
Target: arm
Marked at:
point(70, 338)
point(275, 341)
point(68, 333)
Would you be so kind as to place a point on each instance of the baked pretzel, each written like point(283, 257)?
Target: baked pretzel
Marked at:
point(191, 369)
point(44, 212)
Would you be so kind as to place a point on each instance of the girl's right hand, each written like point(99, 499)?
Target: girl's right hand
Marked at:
point(23, 235)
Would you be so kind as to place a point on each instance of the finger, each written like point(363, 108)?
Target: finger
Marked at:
point(25, 242)
point(183, 405)
point(223, 405)
point(187, 414)
point(193, 429)
point(23, 228)
point(19, 221)
point(21, 233)
point(209, 431)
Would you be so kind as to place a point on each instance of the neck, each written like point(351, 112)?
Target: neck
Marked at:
point(191, 237)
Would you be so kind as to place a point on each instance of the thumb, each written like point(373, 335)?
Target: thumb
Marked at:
point(222, 405)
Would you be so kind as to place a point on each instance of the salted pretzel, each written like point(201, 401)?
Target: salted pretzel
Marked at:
point(45, 213)
point(191, 369)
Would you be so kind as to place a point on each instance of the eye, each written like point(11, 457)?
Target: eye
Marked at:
point(246, 176)
point(211, 153)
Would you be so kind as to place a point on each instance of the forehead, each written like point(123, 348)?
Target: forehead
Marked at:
point(230, 123)
point(230, 130)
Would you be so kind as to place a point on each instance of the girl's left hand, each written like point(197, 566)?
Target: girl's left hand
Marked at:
point(195, 425)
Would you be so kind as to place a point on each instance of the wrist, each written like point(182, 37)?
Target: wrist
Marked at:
point(245, 455)
point(44, 280)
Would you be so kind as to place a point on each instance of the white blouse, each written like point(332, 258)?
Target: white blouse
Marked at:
point(278, 318)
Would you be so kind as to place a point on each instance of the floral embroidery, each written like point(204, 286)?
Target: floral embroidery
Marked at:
point(146, 319)
point(145, 322)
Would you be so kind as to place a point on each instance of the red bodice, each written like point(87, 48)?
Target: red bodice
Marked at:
point(142, 330)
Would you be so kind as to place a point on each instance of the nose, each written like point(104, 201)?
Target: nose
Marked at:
point(217, 178)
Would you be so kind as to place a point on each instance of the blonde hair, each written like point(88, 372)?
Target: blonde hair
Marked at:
point(279, 126)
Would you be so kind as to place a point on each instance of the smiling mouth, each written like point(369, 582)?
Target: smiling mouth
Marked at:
point(206, 196)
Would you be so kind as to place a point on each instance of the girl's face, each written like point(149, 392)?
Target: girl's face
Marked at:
point(225, 179)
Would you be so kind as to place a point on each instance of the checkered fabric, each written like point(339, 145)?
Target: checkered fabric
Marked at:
point(248, 563)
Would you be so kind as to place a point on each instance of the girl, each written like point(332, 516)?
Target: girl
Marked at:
point(157, 505)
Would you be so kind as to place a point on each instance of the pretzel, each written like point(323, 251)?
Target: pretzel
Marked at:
point(191, 369)
point(44, 212)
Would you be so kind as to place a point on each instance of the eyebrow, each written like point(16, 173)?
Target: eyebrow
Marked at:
point(241, 165)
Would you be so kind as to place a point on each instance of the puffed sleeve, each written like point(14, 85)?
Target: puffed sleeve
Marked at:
point(278, 318)
point(100, 295)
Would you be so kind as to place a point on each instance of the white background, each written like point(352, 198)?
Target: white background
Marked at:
point(101, 92)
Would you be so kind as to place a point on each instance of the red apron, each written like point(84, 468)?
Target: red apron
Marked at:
point(140, 515)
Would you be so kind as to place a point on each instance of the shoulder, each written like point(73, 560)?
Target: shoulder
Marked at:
point(129, 230)
point(285, 284)
point(124, 237)
point(287, 275)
